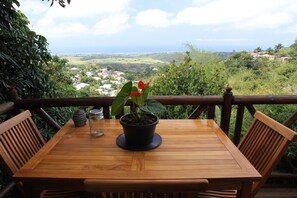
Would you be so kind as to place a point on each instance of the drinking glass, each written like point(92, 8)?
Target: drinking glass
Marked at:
point(95, 122)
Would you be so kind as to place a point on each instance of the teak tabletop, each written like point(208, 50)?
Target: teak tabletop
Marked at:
point(189, 149)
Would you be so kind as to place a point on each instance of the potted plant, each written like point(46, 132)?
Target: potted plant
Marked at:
point(139, 125)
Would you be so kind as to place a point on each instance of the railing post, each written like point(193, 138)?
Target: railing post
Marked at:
point(44, 115)
point(238, 124)
point(226, 110)
point(13, 96)
point(6, 107)
point(12, 93)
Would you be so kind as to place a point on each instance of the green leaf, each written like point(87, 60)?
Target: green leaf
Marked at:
point(153, 106)
point(145, 93)
point(120, 100)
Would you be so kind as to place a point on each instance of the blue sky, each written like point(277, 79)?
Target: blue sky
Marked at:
point(121, 26)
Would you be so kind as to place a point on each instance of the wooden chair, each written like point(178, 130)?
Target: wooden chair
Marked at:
point(145, 188)
point(263, 145)
point(19, 141)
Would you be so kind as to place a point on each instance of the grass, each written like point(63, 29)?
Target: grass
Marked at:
point(80, 60)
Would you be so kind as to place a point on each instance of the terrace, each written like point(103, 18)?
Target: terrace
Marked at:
point(280, 184)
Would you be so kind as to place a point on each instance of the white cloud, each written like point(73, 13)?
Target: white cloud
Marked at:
point(243, 14)
point(33, 7)
point(111, 25)
point(63, 29)
point(87, 8)
point(153, 18)
point(216, 21)
point(240, 13)
point(265, 21)
point(290, 29)
point(201, 2)
point(221, 40)
point(88, 17)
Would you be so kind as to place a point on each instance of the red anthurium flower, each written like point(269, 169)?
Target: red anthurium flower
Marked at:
point(134, 93)
point(141, 85)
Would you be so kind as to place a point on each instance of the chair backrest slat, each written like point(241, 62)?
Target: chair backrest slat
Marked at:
point(12, 144)
point(264, 144)
point(19, 141)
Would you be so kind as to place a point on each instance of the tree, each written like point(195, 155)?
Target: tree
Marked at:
point(24, 58)
point(294, 45)
point(238, 61)
point(270, 51)
point(278, 47)
point(189, 78)
point(258, 49)
point(293, 51)
point(23, 54)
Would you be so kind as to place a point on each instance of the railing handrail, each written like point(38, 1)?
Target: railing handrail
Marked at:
point(107, 101)
point(166, 100)
point(264, 99)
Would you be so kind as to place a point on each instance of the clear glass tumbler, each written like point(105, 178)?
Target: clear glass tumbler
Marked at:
point(95, 122)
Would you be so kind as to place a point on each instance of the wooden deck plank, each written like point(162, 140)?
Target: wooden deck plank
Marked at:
point(277, 192)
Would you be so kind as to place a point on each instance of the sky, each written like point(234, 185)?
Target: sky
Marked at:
point(127, 26)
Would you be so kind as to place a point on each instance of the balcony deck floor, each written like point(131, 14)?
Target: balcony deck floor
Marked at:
point(269, 192)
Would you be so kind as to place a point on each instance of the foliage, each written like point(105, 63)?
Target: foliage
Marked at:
point(141, 103)
point(23, 58)
point(23, 55)
point(239, 61)
point(195, 75)
point(61, 2)
point(278, 47)
point(261, 76)
point(254, 76)
point(25, 61)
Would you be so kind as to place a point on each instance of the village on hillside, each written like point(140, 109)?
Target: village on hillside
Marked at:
point(270, 56)
point(109, 81)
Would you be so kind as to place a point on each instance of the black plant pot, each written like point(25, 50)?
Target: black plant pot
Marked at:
point(139, 135)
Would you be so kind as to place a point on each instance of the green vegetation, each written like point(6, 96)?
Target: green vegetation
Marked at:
point(23, 55)
point(26, 64)
point(250, 75)
point(193, 76)
point(133, 65)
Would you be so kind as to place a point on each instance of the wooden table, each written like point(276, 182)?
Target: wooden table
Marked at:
point(190, 149)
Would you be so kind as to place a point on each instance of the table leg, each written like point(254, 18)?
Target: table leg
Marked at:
point(246, 190)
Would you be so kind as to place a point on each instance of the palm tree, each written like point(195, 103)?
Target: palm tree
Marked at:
point(270, 51)
point(257, 50)
point(278, 47)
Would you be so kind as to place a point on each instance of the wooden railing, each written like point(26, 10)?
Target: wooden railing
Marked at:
point(227, 103)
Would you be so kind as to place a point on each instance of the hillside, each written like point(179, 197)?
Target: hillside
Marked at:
point(135, 62)
point(104, 73)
